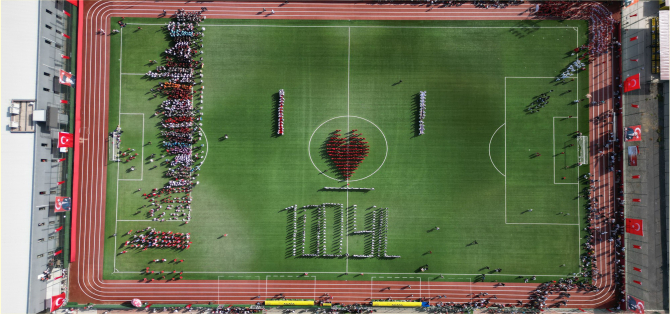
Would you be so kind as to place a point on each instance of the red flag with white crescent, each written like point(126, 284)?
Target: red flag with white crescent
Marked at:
point(633, 38)
point(58, 252)
point(59, 228)
point(64, 56)
point(636, 305)
point(57, 301)
point(61, 182)
point(634, 226)
point(65, 139)
point(633, 133)
point(631, 83)
point(62, 204)
point(66, 78)
point(62, 159)
point(66, 13)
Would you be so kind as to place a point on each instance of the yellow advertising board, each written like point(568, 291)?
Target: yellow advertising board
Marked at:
point(396, 303)
point(288, 302)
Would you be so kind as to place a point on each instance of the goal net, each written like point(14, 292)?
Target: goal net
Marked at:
point(583, 149)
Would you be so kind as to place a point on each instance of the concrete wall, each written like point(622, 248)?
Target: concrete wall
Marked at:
point(18, 55)
point(652, 186)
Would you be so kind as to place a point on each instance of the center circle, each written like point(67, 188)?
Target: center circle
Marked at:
point(370, 131)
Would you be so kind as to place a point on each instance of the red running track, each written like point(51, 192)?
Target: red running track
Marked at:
point(86, 283)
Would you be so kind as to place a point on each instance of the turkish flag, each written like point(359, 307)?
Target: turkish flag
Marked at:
point(637, 269)
point(65, 139)
point(59, 228)
point(63, 101)
point(64, 56)
point(57, 301)
point(635, 305)
point(635, 60)
point(61, 182)
point(635, 106)
point(633, 133)
point(637, 247)
point(633, 38)
point(631, 83)
point(58, 252)
point(66, 13)
point(66, 78)
point(68, 37)
point(62, 204)
point(62, 159)
point(634, 226)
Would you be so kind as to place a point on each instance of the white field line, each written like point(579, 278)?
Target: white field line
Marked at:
point(491, 141)
point(346, 267)
point(118, 167)
point(579, 229)
point(344, 282)
point(347, 26)
point(149, 220)
point(540, 223)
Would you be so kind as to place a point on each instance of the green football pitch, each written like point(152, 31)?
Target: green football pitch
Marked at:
point(473, 173)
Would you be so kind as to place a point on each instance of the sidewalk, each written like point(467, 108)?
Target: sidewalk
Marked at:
point(649, 188)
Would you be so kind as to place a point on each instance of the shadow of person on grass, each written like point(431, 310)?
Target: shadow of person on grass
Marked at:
point(275, 115)
point(415, 110)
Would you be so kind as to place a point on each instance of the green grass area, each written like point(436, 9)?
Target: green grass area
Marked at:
point(471, 174)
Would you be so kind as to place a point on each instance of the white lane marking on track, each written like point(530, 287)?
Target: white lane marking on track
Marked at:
point(604, 293)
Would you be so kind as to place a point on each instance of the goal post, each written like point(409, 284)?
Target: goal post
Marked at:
point(583, 150)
